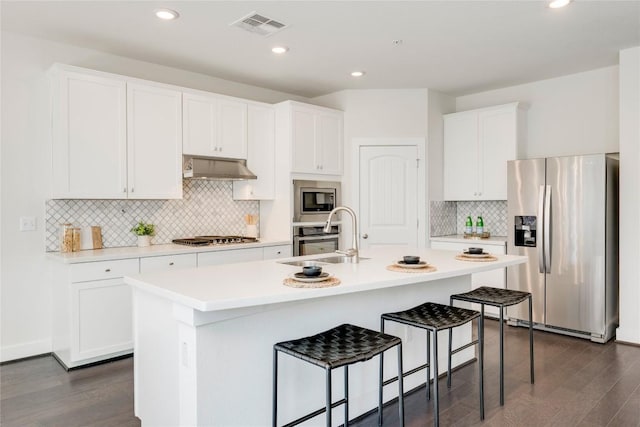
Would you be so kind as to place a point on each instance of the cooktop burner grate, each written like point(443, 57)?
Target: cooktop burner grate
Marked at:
point(191, 242)
point(214, 240)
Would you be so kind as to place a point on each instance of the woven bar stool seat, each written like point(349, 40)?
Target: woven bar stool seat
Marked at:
point(434, 317)
point(337, 347)
point(500, 298)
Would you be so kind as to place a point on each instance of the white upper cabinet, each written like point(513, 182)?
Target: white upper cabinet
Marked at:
point(154, 146)
point(477, 146)
point(316, 140)
point(214, 126)
point(89, 152)
point(260, 155)
point(114, 138)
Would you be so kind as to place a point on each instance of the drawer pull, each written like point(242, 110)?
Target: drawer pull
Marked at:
point(170, 263)
point(107, 270)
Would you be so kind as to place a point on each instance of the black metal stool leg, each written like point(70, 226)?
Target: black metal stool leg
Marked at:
point(400, 387)
point(328, 371)
point(346, 395)
point(481, 363)
point(428, 385)
point(531, 337)
point(449, 358)
point(274, 406)
point(381, 378)
point(450, 348)
point(436, 403)
point(501, 356)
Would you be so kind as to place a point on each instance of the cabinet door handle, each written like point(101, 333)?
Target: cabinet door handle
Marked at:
point(365, 236)
point(171, 263)
point(107, 270)
point(132, 189)
point(278, 253)
point(124, 190)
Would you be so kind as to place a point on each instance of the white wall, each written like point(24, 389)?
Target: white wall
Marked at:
point(575, 114)
point(629, 330)
point(25, 287)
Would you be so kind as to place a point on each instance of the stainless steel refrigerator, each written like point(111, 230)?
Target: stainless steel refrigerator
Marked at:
point(562, 213)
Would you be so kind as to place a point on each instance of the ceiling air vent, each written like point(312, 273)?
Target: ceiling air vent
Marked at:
point(259, 24)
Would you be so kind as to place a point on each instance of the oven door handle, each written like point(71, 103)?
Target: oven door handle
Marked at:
point(322, 237)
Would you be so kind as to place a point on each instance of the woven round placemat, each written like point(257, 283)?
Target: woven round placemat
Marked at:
point(332, 281)
point(398, 269)
point(462, 257)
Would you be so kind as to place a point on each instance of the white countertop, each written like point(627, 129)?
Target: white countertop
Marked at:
point(458, 238)
point(150, 251)
point(257, 283)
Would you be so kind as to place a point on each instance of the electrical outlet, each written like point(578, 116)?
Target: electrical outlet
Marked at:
point(27, 223)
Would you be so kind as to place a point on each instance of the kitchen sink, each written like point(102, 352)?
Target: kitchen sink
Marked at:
point(337, 259)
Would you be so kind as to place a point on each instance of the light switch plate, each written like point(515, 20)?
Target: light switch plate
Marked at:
point(27, 223)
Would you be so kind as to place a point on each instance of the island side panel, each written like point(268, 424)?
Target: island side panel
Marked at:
point(224, 369)
point(155, 360)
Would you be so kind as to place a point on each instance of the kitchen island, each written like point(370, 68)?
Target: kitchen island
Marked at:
point(203, 338)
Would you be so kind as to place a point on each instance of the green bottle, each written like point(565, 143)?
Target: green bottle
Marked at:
point(479, 225)
point(468, 226)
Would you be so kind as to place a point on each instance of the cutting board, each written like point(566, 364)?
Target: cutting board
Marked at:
point(91, 237)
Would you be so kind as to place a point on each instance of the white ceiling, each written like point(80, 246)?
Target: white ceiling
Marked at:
point(457, 47)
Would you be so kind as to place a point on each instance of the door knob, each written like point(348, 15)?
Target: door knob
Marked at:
point(365, 236)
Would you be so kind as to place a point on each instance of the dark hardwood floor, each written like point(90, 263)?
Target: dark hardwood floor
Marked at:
point(578, 383)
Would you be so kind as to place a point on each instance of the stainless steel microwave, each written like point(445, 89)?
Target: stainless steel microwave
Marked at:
point(313, 200)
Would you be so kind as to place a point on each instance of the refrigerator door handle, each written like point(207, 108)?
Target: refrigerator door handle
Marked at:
point(547, 230)
point(541, 212)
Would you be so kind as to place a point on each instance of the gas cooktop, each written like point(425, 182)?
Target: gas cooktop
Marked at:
point(213, 240)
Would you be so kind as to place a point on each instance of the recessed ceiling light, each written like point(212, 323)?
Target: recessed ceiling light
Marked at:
point(555, 4)
point(357, 73)
point(167, 14)
point(280, 50)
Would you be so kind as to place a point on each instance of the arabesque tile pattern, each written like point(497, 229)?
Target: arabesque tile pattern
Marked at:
point(207, 207)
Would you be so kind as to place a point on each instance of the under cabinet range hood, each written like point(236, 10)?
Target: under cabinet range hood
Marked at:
point(216, 168)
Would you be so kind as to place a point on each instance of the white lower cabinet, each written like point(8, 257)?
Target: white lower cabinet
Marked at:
point(92, 306)
point(229, 256)
point(92, 311)
point(493, 278)
point(167, 262)
point(275, 252)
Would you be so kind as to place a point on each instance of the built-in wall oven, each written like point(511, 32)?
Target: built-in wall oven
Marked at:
point(313, 200)
point(310, 240)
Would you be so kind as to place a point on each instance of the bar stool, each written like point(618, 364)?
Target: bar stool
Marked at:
point(500, 298)
point(434, 317)
point(341, 346)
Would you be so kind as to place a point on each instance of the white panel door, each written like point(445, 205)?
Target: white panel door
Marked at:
point(89, 137)
point(329, 143)
point(154, 120)
point(303, 142)
point(101, 318)
point(232, 139)
point(388, 196)
point(496, 136)
point(461, 156)
point(261, 159)
point(200, 121)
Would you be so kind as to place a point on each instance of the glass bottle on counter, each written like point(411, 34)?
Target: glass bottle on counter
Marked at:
point(75, 233)
point(66, 237)
point(479, 225)
point(468, 226)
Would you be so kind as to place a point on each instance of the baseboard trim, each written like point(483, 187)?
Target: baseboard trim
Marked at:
point(25, 350)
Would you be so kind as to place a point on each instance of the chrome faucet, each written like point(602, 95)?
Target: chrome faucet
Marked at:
point(352, 253)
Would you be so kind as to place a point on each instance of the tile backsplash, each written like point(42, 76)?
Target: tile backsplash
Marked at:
point(449, 217)
point(207, 208)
